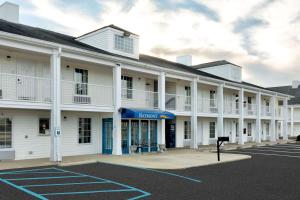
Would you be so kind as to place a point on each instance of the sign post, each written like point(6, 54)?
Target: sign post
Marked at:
point(219, 143)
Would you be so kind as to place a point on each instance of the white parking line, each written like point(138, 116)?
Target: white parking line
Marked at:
point(277, 146)
point(274, 151)
point(266, 154)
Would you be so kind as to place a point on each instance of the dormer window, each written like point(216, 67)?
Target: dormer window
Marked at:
point(124, 44)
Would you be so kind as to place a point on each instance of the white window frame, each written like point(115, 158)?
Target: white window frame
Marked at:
point(209, 130)
point(79, 137)
point(127, 87)
point(81, 84)
point(5, 133)
point(123, 44)
point(249, 129)
point(187, 130)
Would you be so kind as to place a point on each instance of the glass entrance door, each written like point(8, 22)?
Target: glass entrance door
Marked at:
point(153, 135)
point(135, 132)
point(144, 135)
point(107, 136)
point(125, 136)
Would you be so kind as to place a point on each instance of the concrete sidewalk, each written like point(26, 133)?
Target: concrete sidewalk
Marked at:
point(174, 159)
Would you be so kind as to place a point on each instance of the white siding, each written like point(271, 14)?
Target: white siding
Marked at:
point(227, 71)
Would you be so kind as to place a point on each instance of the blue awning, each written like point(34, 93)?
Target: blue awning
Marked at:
point(146, 114)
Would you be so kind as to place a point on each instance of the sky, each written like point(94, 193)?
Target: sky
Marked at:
point(262, 36)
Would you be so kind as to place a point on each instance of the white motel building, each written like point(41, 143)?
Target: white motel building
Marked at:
point(96, 94)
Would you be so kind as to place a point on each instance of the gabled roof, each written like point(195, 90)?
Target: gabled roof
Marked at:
point(289, 90)
point(109, 26)
point(213, 64)
point(50, 36)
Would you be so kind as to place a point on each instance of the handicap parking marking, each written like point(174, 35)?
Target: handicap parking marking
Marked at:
point(13, 181)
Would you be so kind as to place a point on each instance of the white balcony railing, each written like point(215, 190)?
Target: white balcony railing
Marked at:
point(279, 111)
point(139, 98)
point(266, 110)
point(207, 105)
point(73, 93)
point(250, 109)
point(231, 107)
point(25, 88)
point(178, 102)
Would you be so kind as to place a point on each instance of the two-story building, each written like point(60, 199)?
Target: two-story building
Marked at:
point(293, 106)
point(62, 95)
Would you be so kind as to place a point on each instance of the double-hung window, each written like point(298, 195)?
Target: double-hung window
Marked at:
point(124, 44)
point(81, 82)
point(187, 130)
point(212, 130)
point(84, 130)
point(126, 87)
point(188, 98)
point(5, 133)
point(249, 129)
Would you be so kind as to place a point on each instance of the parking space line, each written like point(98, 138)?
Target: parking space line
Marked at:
point(144, 193)
point(23, 189)
point(64, 184)
point(281, 148)
point(42, 178)
point(267, 154)
point(88, 192)
point(25, 171)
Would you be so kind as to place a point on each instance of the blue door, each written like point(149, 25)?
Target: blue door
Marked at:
point(144, 136)
point(153, 135)
point(125, 136)
point(107, 136)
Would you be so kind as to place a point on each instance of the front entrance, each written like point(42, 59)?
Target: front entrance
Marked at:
point(170, 134)
point(107, 136)
point(125, 136)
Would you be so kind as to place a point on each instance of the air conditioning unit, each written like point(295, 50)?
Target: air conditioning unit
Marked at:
point(82, 99)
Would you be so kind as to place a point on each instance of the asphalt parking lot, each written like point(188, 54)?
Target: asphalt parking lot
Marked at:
point(272, 173)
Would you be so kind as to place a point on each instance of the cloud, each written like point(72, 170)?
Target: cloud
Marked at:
point(263, 36)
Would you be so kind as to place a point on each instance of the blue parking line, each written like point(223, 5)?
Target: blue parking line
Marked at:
point(61, 184)
point(120, 184)
point(42, 178)
point(23, 189)
point(25, 171)
point(15, 173)
point(88, 192)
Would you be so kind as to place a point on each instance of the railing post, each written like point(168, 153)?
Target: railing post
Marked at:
point(220, 102)
point(258, 117)
point(162, 106)
point(285, 120)
point(241, 118)
point(273, 119)
point(117, 149)
point(194, 121)
point(55, 62)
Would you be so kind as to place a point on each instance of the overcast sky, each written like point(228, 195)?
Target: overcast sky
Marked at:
point(263, 36)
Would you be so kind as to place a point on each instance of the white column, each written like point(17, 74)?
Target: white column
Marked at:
point(258, 117)
point(117, 148)
point(273, 124)
point(285, 120)
point(194, 122)
point(55, 154)
point(162, 105)
point(292, 121)
point(220, 101)
point(241, 119)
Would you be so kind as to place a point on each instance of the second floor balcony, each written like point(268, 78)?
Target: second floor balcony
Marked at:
point(266, 111)
point(139, 98)
point(179, 103)
point(250, 109)
point(206, 105)
point(74, 93)
point(231, 107)
point(25, 88)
